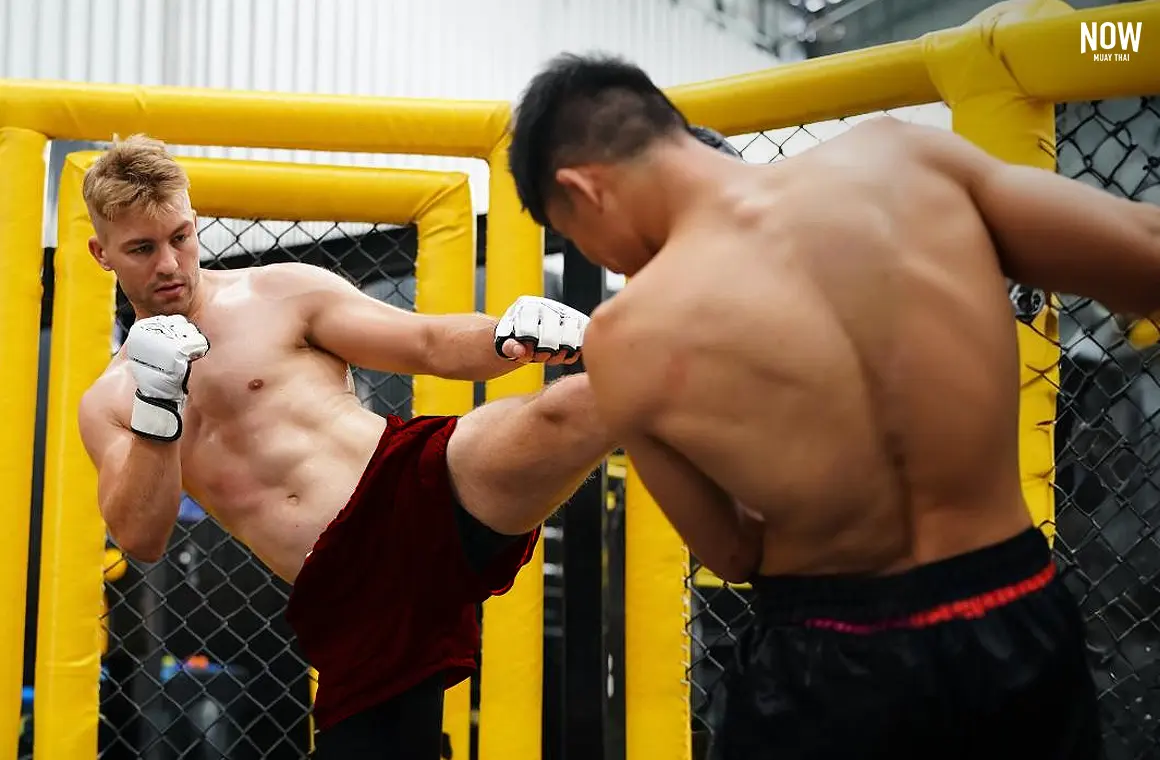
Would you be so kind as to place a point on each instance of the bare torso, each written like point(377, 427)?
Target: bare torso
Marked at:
point(847, 364)
point(274, 439)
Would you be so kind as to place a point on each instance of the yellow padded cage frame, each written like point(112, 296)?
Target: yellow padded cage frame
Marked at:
point(31, 112)
point(1001, 75)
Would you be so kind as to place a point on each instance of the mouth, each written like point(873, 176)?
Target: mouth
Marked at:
point(168, 290)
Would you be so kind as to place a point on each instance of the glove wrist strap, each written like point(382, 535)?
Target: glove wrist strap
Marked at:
point(157, 419)
point(499, 341)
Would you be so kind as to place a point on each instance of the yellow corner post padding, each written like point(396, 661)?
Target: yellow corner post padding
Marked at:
point(21, 258)
point(513, 624)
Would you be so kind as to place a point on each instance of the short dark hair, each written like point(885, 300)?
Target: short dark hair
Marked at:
point(583, 109)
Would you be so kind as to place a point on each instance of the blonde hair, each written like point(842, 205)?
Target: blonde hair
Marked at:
point(135, 173)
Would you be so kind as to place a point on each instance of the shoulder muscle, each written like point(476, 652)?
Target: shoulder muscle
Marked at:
point(945, 151)
point(307, 290)
point(295, 279)
point(627, 353)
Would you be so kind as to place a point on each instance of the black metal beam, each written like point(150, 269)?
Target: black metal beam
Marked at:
point(585, 656)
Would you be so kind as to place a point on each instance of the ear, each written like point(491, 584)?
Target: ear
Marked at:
point(98, 253)
point(580, 182)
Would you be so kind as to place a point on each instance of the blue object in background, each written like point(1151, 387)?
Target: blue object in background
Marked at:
point(196, 664)
point(24, 743)
point(190, 510)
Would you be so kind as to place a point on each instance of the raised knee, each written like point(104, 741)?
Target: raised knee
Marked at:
point(486, 482)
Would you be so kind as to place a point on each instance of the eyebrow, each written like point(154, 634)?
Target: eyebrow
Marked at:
point(139, 241)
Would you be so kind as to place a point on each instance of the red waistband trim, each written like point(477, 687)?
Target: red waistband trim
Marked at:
point(963, 609)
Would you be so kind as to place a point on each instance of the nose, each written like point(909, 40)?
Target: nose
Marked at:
point(167, 262)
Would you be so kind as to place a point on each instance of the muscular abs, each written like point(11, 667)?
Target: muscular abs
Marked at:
point(274, 440)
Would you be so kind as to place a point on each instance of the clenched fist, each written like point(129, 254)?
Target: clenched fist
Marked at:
point(161, 351)
point(547, 329)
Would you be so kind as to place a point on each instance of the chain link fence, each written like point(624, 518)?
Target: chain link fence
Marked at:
point(200, 661)
point(1108, 444)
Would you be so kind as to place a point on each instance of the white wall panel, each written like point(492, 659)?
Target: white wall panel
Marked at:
point(423, 48)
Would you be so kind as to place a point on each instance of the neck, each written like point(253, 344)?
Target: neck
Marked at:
point(200, 296)
point(678, 182)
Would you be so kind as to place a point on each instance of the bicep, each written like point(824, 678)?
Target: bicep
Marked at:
point(1061, 235)
point(363, 331)
point(707, 518)
point(670, 477)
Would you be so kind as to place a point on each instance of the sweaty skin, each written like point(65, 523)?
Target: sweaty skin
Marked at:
point(274, 439)
point(818, 372)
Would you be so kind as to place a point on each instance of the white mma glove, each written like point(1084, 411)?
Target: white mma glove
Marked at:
point(160, 351)
point(546, 324)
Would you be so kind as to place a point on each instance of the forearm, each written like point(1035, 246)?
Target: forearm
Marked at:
point(727, 541)
point(1151, 213)
point(1068, 237)
point(462, 347)
point(1137, 289)
point(724, 540)
point(141, 502)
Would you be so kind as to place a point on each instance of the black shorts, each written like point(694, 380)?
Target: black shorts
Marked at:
point(410, 725)
point(980, 656)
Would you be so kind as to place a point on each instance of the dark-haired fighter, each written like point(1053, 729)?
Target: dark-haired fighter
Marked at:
point(814, 370)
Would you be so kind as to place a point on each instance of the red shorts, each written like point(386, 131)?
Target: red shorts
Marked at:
point(387, 598)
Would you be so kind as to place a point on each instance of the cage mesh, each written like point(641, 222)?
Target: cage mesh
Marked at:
point(200, 660)
point(1107, 444)
point(1108, 441)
